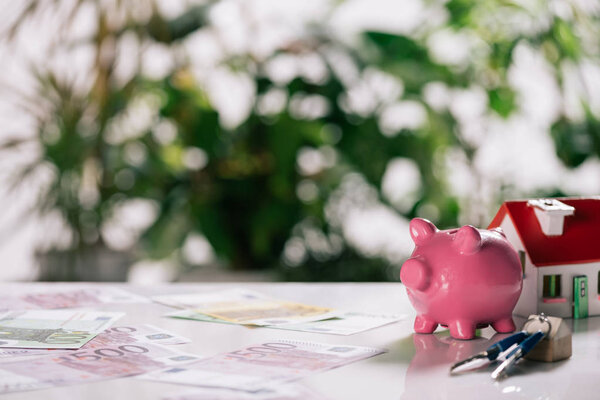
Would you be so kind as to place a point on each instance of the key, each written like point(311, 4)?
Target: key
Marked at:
point(511, 349)
point(519, 352)
point(489, 355)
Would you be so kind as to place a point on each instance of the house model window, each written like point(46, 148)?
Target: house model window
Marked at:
point(551, 286)
point(522, 259)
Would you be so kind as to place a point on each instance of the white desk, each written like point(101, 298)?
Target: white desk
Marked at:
point(416, 366)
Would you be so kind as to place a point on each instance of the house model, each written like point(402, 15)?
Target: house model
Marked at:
point(557, 241)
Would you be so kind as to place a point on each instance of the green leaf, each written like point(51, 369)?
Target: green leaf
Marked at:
point(169, 231)
point(502, 101)
point(409, 60)
point(573, 142)
point(168, 31)
point(460, 12)
point(566, 39)
point(398, 47)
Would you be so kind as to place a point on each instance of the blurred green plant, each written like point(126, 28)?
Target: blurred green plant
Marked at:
point(243, 187)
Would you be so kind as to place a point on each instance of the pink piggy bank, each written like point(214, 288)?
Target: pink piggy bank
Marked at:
point(463, 278)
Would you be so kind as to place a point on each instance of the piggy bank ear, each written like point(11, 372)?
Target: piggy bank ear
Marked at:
point(499, 230)
point(421, 230)
point(467, 240)
point(415, 274)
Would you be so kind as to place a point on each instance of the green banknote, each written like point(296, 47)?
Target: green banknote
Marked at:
point(196, 316)
point(53, 329)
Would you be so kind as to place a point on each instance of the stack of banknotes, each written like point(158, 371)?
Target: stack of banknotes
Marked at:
point(56, 338)
point(246, 307)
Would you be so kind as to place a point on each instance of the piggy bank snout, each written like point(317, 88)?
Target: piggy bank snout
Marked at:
point(415, 274)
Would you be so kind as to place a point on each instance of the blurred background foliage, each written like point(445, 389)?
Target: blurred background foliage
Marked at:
point(332, 134)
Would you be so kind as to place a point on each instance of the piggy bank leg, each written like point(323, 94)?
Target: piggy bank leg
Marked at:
point(505, 325)
point(462, 329)
point(424, 324)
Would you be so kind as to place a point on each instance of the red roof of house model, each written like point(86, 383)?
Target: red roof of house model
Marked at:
point(579, 243)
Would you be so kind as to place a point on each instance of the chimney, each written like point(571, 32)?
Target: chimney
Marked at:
point(551, 215)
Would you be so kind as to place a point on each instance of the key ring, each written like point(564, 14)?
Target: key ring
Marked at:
point(543, 318)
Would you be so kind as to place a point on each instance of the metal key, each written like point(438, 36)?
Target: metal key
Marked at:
point(519, 352)
point(509, 350)
point(490, 354)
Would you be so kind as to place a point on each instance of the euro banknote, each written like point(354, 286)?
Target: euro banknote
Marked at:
point(58, 296)
point(115, 353)
point(347, 323)
point(141, 333)
point(344, 323)
point(208, 299)
point(247, 307)
point(263, 366)
point(12, 354)
point(197, 316)
point(152, 334)
point(53, 329)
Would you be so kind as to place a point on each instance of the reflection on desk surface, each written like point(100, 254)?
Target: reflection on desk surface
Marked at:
point(428, 374)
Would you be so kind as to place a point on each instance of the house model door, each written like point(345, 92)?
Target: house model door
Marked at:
point(580, 297)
